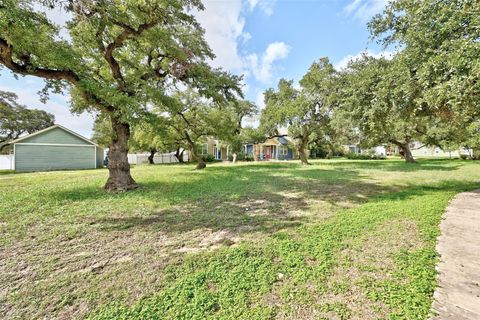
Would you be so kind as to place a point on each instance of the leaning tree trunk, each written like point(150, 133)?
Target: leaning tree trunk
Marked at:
point(475, 153)
point(193, 150)
point(151, 156)
point(407, 153)
point(119, 178)
point(179, 155)
point(302, 151)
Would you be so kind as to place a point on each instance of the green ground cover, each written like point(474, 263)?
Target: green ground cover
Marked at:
point(336, 240)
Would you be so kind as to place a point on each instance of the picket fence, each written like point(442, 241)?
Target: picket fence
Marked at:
point(142, 158)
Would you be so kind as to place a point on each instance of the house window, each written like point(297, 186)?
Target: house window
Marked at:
point(283, 151)
point(203, 149)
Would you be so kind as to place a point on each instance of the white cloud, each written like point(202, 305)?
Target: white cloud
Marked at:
point(262, 68)
point(224, 24)
point(265, 5)
point(343, 63)
point(253, 3)
point(57, 15)
point(364, 9)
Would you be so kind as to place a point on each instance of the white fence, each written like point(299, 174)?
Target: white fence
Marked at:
point(7, 162)
point(142, 158)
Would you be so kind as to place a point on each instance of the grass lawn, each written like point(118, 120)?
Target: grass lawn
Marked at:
point(336, 240)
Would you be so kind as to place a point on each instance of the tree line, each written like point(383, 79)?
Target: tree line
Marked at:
point(428, 92)
point(142, 67)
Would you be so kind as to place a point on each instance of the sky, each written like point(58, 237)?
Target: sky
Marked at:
point(265, 40)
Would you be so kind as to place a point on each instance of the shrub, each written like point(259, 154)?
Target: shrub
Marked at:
point(242, 156)
point(249, 157)
point(318, 153)
point(464, 156)
point(208, 158)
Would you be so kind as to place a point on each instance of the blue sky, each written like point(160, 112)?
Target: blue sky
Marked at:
point(263, 39)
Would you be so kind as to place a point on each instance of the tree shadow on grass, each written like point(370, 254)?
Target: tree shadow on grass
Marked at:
point(401, 166)
point(239, 216)
point(216, 181)
point(454, 186)
point(243, 201)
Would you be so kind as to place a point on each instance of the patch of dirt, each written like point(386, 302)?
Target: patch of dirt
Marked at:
point(211, 240)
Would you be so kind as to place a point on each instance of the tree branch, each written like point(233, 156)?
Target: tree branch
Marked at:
point(26, 68)
point(119, 42)
point(6, 58)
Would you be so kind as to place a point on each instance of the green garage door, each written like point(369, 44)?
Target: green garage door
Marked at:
point(48, 157)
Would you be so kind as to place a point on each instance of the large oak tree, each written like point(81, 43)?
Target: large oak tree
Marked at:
point(380, 99)
point(119, 58)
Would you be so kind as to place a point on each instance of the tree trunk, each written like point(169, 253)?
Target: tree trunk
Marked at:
point(405, 152)
point(234, 158)
point(119, 178)
point(151, 156)
point(179, 155)
point(475, 153)
point(193, 150)
point(302, 151)
point(408, 154)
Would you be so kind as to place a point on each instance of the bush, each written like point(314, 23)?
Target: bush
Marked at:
point(464, 156)
point(249, 157)
point(241, 156)
point(209, 158)
point(318, 153)
point(364, 156)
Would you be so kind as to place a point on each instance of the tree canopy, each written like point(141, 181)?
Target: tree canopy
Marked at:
point(192, 120)
point(440, 41)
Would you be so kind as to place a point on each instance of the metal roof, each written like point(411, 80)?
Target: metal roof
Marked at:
point(53, 127)
point(282, 140)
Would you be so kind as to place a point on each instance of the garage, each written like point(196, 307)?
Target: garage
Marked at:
point(56, 148)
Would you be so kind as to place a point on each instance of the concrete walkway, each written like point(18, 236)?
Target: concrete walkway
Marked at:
point(458, 293)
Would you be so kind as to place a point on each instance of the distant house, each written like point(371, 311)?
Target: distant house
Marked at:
point(276, 148)
point(215, 148)
point(56, 148)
